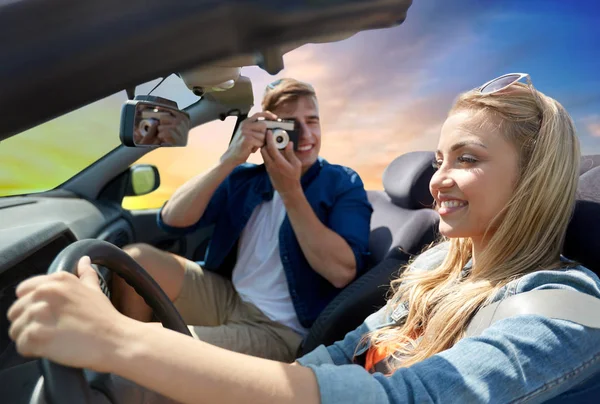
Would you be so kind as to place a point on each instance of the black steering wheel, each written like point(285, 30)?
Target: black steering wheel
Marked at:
point(64, 384)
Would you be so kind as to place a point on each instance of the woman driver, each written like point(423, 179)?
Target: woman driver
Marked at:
point(505, 186)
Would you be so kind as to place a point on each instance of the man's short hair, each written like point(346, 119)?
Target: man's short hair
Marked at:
point(286, 90)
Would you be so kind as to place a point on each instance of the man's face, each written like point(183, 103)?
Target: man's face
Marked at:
point(306, 114)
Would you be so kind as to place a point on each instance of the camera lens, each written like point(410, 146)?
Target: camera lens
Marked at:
point(280, 138)
point(146, 125)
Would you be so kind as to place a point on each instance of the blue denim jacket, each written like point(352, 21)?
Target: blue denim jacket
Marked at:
point(339, 200)
point(519, 359)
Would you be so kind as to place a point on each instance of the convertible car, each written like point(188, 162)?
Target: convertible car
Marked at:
point(72, 54)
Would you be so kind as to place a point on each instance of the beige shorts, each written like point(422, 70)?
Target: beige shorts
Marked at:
point(216, 314)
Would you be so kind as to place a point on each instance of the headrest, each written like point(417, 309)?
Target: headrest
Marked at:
point(406, 180)
point(583, 233)
point(589, 162)
point(589, 186)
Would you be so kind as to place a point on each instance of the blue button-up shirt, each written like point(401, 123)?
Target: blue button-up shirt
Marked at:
point(336, 195)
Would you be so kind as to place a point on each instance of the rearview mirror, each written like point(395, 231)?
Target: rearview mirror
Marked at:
point(141, 117)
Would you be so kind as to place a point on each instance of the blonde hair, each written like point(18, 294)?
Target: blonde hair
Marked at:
point(527, 234)
point(284, 91)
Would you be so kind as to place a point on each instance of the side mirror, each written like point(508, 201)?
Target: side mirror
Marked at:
point(141, 117)
point(143, 179)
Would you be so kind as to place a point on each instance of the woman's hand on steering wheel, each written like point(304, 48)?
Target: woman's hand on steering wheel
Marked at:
point(66, 319)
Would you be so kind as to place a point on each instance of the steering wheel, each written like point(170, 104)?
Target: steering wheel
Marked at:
point(64, 384)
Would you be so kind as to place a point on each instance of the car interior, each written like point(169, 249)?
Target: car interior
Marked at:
point(36, 228)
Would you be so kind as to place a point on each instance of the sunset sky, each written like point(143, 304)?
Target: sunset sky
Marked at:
point(386, 92)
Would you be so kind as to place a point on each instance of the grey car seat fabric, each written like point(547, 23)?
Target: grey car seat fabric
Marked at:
point(582, 241)
point(402, 224)
point(589, 185)
point(356, 302)
point(589, 162)
point(402, 215)
point(567, 305)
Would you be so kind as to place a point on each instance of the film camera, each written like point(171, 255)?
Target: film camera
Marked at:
point(283, 132)
point(140, 118)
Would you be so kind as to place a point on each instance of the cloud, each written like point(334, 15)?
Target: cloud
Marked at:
point(369, 144)
point(378, 91)
point(593, 125)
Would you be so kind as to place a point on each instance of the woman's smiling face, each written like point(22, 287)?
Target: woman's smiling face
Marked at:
point(476, 176)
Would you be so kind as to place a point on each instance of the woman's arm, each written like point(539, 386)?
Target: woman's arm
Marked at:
point(70, 321)
point(193, 371)
point(519, 359)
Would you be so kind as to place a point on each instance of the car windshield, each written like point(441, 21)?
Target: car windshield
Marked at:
point(42, 158)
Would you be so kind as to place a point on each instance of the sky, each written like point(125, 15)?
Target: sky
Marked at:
point(383, 93)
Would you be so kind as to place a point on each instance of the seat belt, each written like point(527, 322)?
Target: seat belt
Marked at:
point(557, 304)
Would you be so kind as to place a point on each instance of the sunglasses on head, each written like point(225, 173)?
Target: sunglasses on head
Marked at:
point(274, 84)
point(502, 82)
point(277, 82)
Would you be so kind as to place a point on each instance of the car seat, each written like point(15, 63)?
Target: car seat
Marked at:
point(589, 162)
point(402, 215)
point(582, 241)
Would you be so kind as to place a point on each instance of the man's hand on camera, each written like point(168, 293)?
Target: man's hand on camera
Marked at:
point(148, 139)
point(172, 130)
point(284, 168)
point(249, 137)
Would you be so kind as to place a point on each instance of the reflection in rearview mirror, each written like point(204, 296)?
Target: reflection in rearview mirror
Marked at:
point(153, 121)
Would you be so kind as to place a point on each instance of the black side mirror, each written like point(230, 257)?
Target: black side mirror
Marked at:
point(143, 179)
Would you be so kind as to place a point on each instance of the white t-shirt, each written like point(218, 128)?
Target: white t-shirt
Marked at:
point(258, 274)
